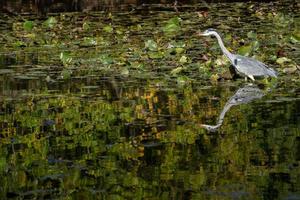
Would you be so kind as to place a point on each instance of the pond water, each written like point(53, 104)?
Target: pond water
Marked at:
point(134, 105)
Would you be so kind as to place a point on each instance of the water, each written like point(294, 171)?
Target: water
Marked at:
point(94, 113)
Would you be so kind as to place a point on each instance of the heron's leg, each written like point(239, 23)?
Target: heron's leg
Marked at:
point(251, 77)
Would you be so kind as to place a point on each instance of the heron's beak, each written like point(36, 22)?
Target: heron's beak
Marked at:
point(200, 34)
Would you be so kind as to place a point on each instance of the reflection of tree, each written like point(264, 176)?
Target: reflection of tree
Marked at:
point(243, 95)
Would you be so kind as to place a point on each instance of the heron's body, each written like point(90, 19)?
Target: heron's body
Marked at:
point(249, 67)
point(244, 66)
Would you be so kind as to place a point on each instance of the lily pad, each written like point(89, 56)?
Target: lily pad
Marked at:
point(283, 60)
point(151, 45)
point(28, 25)
point(172, 26)
point(50, 22)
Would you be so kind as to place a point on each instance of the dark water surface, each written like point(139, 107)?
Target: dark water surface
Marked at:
point(105, 106)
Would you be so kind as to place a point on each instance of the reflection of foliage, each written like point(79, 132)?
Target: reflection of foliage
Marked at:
point(117, 145)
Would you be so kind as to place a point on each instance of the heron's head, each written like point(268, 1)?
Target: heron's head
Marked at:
point(208, 32)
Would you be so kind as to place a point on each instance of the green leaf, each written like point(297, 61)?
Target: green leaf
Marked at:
point(255, 45)
point(179, 50)
point(65, 58)
point(125, 72)
point(89, 41)
point(19, 44)
point(176, 70)
point(108, 28)
point(294, 40)
point(86, 26)
point(28, 25)
point(172, 26)
point(155, 54)
point(283, 60)
point(66, 74)
point(106, 59)
point(183, 59)
point(245, 50)
point(50, 22)
point(151, 45)
point(251, 35)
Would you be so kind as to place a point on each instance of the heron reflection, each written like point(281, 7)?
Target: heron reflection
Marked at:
point(243, 95)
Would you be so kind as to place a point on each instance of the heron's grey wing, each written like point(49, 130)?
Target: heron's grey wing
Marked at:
point(250, 66)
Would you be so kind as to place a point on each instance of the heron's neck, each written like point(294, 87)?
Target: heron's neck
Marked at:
point(225, 51)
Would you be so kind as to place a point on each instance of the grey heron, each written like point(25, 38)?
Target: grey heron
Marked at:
point(244, 66)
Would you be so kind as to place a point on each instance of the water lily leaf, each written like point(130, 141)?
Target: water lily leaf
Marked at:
point(283, 60)
point(125, 72)
point(19, 44)
point(151, 45)
point(296, 35)
point(291, 69)
point(251, 35)
point(172, 26)
point(136, 65)
point(139, 27)
point(294, 39)
point(28, 25)
point(65, 74)
point(30, 35)
point(86, 26)
point(108, 28)
point(183, 59)
point(182, 80)
point(155, 54)
point(179, 50)
point(176, 70)
point(221, 61)
point(89, 41)
point(255, 45)
point(214, 77)
point(50, 22)
point(106, 59)
point(65, 58)
point(245, 50)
